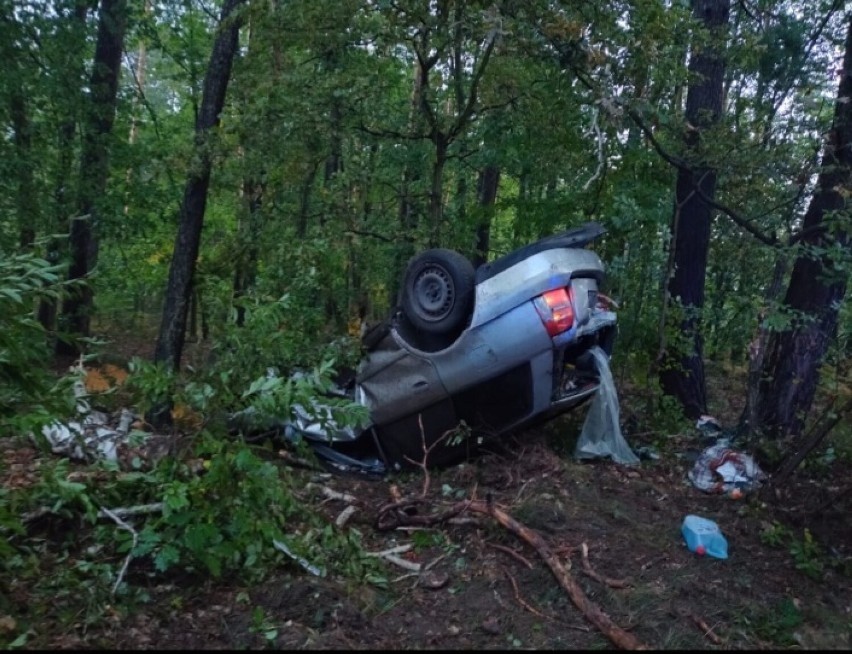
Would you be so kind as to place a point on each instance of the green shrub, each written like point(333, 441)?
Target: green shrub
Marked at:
point(30, 395)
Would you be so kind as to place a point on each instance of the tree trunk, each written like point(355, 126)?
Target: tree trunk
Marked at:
point(682, 372)
point(436, 189)
point(94, 168)
point(248, 230)
point(62, 203)
point(486, 191)
point(785, 390)
point(408, 213)
point(27, 199)
point(173, 325)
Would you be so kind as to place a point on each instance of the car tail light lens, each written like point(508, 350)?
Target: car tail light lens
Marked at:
point(556, 309)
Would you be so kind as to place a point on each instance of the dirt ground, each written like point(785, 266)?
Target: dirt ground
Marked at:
point(482, 587)
point(486, 589)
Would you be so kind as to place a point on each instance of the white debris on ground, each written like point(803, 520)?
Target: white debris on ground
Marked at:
point(93, 435)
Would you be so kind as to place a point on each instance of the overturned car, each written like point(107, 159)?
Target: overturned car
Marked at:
point(494, 349)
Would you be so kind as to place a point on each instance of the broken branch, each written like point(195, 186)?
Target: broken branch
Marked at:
point(512, 553)
point(606, 581)
point(134, 534)
point(521, 601)
point(394, 515)
point(618, 636)
point(344, 515)
point(331, 494)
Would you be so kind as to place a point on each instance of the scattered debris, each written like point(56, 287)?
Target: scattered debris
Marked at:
point(90, 437)
point(720, 469)
point(98, 436)
point(307, 565)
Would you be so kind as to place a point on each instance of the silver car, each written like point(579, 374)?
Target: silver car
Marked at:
point(489, 350)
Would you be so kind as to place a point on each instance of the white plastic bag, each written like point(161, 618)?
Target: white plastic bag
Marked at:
point(601, 435)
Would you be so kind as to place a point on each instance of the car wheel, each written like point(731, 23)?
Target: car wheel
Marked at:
point(437, 293)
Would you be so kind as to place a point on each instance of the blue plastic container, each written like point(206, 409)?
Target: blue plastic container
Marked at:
point(703, 536)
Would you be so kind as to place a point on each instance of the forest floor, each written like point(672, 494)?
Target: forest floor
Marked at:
point(482, 587)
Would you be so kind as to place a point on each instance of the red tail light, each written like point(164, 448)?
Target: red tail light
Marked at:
point(556, 309)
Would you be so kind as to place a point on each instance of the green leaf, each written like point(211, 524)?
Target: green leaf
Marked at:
point(166, 557)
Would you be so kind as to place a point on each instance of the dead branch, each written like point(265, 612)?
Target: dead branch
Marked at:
point(521, 600)
point(397, 514)
point(404, 514)
point(618, 636)
point(344, 515)
point(708, 632)
point(126, 512)
point(423, 464)
point(405, 564)
point(806, 443)
point(331, 494)
point(297, 461)
point(391, 556)
point(398, 549)
point(508, 550)
point(133, 533)
point(606, 581)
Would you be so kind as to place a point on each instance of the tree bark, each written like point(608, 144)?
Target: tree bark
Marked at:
point(486, 191)
point(786, 389)
point(408, 213)
point(94, 168)
point(682, 371)
point(62, 204)
point(248, 230)
point(27, 200)
point(172, 334)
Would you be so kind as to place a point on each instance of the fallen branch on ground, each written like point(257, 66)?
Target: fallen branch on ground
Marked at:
point(297, 461)
point(390, 555)
point(331, 494)
point(344, 516)
point(126, 512)
point(708, 632)
point(606, 581)
point(402, 513)
point(521, 600)
point(123, 525)
point(512, 553)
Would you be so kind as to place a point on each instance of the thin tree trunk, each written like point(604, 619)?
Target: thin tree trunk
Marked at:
point(172, 334)
point(62, 202)
point(27, 199)
point(94, 167)
point(682, 372)
point(305, 201)
point(486, 191)
point(436, 190)
point(245, 269)
point(140, 72)
point(408, 213)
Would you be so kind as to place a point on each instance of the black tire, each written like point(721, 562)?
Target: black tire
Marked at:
point(437, 293)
